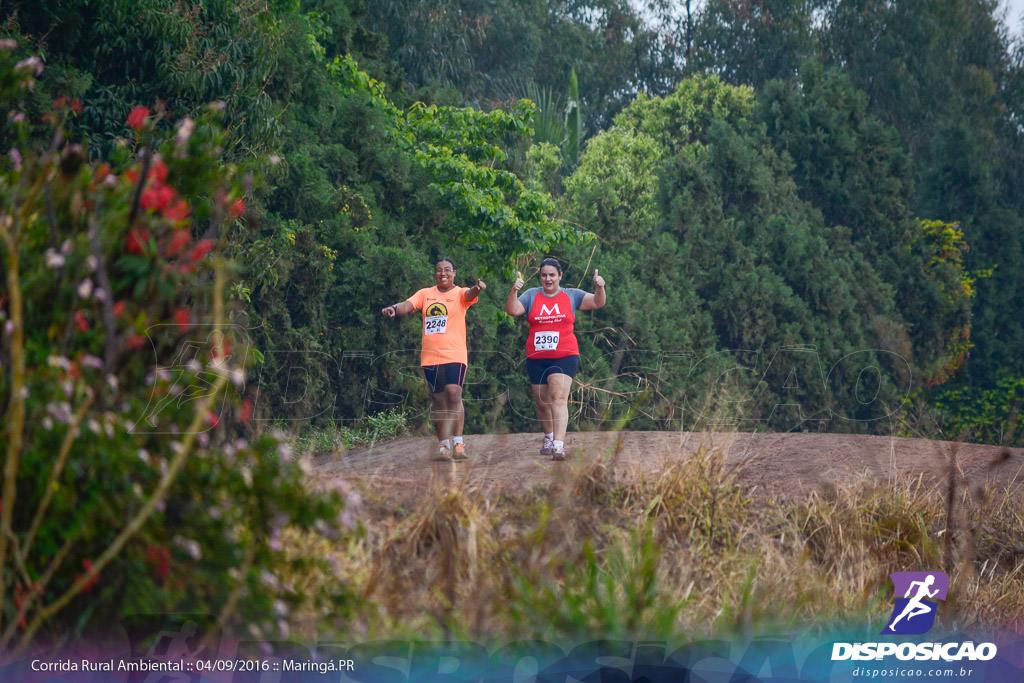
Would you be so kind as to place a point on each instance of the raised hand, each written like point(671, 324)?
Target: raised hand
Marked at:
point(519, 281)
point(389, 311)
point(598, 280)
point(480, 286)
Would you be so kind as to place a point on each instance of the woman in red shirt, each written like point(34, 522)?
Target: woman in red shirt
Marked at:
point(552, 354)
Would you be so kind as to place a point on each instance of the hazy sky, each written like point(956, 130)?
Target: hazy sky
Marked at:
point(1013, 16)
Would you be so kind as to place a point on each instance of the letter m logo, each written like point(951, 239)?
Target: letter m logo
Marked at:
point(544, 310)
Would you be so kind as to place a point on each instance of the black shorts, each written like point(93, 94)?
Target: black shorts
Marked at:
point(539, 368)
point(440, 375)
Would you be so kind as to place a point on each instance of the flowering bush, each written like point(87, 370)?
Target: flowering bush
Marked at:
point(126, 485)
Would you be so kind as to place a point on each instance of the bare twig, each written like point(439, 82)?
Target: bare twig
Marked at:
point(109, 320)
point(16, 411)
point(587, 269)
point(19, 560)
point(147, 161)
point(37, 590)
point(58, 467)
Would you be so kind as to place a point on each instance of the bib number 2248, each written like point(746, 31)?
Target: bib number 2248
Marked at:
point(435, 324)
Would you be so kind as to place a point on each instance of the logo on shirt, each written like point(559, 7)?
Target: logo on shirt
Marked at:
point(544, 310)
point(437, 309)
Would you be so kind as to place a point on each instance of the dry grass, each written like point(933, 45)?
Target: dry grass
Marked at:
point(684, 549)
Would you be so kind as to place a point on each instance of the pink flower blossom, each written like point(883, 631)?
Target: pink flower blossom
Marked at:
point(185, 129)
point(53, 259)
point(32, 63)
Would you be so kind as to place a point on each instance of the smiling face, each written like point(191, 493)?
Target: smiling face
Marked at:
point(549, 279)
point(444, 274)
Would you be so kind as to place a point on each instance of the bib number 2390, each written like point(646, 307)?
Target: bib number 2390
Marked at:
point(545, 341)
point(435, 324)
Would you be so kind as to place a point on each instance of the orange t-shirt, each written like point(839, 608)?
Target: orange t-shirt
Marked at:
point(444, 324)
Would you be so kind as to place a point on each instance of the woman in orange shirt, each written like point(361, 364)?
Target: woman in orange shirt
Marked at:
point(444, 357)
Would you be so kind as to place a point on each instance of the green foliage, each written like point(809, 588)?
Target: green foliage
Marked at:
point(682, 117)
point(943, 73)
point(382, 426)
point(544, 166)
point(113, 55)
point(750, 43)
point(850, 166)
point(126, 488)
point(491, 211)
point(614, 595)
point(752, 263)
point(983, 415)
point(614, 191)
point(479, 48)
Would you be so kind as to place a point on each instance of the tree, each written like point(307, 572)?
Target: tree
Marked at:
point(753, 41)
point(761, 263)
point(113, 55)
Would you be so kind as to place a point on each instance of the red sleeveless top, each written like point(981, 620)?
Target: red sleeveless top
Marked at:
point(551, 327)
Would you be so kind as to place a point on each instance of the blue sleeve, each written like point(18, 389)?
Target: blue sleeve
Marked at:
point(526, 298)
point(575, 297)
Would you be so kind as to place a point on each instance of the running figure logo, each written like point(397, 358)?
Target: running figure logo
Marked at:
point(914, 613)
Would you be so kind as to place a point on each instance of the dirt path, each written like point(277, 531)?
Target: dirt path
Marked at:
point(782, 466)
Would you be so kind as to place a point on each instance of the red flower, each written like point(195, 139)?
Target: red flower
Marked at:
point(19, 601)
point(136, 342)
point(236, 208)
point(213, 418)
point(178, 240)
point(60, 101)
point(177, 211)
point(201, 249)
point(158, 171)
point(118, 309)
point(181, 317)
point(87, 564)
point(137, 117)
point(132, 176)
point(160, 558)
point(136, 238)
point(76, 106)
point(246, 413)
point(103, 171)
point(82, 323)
point(156, 197)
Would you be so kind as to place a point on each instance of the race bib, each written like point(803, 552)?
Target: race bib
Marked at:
point(435, 324)
point(545, 341)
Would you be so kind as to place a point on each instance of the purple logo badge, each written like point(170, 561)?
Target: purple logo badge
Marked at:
point(916, 595)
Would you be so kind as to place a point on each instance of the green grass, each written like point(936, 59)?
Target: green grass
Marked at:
point(371, 429)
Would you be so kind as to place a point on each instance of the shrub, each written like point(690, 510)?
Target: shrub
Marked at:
point(125, 487)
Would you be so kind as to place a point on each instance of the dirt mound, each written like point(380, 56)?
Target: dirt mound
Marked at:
point(781, 466)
